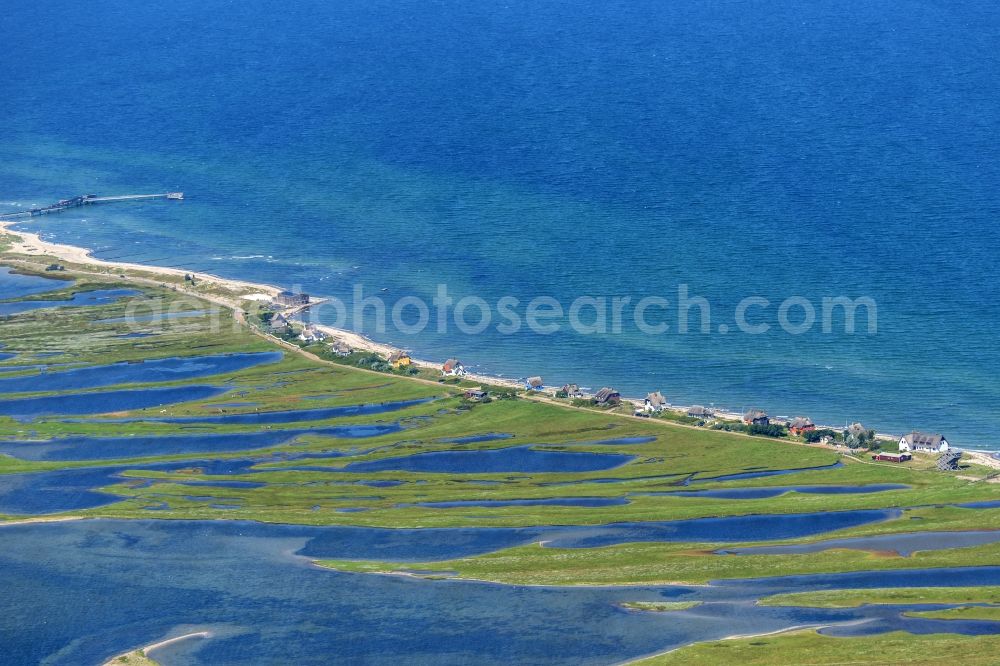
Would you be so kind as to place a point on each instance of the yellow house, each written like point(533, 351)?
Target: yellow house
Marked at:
point(399, 360)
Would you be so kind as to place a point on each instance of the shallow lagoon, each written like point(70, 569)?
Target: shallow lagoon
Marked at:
point(106, 401)
point(111, 448)
point(285, 416)
point(904, 544)
point(159, 316)
point(16, 285)
point(262, 604)
point(512, 459)
point(764, 492)
point(85, 298)
point(550, 501)
point(154, 370)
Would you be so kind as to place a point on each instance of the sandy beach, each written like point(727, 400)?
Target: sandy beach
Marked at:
point(143, 652)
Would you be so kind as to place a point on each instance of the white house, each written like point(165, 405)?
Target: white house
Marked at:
point(311, 334)
point(921, 441)
point(453, 368)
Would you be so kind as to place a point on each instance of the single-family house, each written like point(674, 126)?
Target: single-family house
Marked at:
point(892, 457)
point(756, 417)
point(400, 360)
point(533, 384)
point(921, 441)
point(311, 334)
point(453, 368)
point(655, 402)
point(278, 324)
point(571, 391)
point(607, 396)
point(800, 426)
point(475, 393)
point(856, 435)
point(288, 299)
point(700, 412)
point(340, 348)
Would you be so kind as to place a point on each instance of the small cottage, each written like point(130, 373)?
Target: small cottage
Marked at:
point(921, 441)
point(856, 435)
point(892, 457)
point(533, 384)
point(475, 393)
point(288, 299)
point(312, 334)
point(607, 396)
point(756, 417)
point(571, 391)
point(700, 412)
point(340, 348)
point(800, 426)
point(399, 360)
point(453, 368)
point(655, 402)
point(278, 324)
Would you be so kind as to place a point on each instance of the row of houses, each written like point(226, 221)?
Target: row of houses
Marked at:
point(913, 441)
point(653, 403)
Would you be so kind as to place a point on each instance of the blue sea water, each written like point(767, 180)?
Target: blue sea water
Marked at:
point(816, 149)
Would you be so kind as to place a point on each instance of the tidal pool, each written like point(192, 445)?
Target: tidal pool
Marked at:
point(623, 440)
point(111, 448)
point(247, 585)
point(81, 299)
point(17, 285)
point(905, 544)
point(763, 474)
point(156, 316)
point(106, 401)
point(472, 439)
point(511, 459)
point(762, 492)
point(154, 370)
point(274, 418)
point(38, 493)
point(551, 501)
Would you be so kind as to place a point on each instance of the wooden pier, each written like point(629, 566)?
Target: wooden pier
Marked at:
point(86, 200)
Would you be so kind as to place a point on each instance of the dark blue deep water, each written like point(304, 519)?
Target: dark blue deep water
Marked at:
point(779, 149)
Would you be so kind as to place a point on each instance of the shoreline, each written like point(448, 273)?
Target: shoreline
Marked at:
point(31, 244)
point(40, 519)
point(145, 650)
point(734, 637)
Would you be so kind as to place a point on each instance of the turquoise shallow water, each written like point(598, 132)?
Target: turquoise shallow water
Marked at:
point(820, 150)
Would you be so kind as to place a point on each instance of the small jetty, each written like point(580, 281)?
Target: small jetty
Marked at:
point(87, 200)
